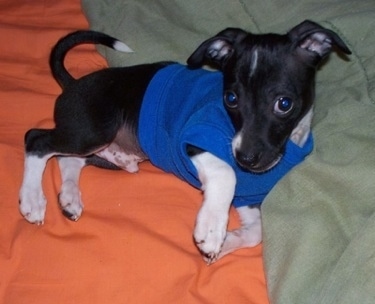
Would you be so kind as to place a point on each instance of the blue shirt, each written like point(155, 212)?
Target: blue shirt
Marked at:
point(183, 106)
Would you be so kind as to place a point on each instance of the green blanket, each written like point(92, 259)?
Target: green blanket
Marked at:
point(319, 222)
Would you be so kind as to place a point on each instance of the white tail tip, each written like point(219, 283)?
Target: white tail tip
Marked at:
point(122, 47)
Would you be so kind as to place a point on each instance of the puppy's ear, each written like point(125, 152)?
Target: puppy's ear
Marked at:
point(315, 42)
point(217, 49)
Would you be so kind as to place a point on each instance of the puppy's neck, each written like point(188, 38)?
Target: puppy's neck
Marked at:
point(301, 132)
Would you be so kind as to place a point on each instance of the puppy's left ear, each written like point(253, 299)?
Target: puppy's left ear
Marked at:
point(315, 42)
point(216, 50)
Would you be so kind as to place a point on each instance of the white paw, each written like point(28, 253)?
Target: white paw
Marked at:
point(33, 205)
point(70, 201)
point(209, 233)
point(245, 237)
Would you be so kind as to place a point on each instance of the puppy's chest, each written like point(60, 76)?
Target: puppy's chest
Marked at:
point(124, 151)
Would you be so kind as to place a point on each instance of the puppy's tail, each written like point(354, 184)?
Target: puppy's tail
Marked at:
point(80, 37)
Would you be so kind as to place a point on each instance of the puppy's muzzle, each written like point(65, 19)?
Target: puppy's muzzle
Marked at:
point(256, 162)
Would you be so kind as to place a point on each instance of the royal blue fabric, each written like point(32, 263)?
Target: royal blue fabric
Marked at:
point(183, 106)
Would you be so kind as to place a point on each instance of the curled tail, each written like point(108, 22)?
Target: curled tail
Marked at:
point(80, 37)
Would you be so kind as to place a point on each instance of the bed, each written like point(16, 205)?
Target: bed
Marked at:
point(134, 242)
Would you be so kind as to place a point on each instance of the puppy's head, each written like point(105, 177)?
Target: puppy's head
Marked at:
point(268, 85)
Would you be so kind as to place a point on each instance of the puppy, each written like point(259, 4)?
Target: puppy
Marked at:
point(232, 133)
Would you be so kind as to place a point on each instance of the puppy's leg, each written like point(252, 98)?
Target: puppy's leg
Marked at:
point(32, 199)
point(42, 144)
point(218, 184)
point(70, 195)
point(248, 235)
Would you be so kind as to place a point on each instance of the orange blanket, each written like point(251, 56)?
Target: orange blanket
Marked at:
point(133, 243)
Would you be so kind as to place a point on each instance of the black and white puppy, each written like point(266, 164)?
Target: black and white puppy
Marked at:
point(266, 85)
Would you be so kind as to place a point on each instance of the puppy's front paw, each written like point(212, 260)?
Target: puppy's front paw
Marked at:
point(32, 205)
point(70, 201)
point(209, 233)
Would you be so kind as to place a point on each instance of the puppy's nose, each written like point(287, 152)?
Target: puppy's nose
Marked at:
point(247, 161)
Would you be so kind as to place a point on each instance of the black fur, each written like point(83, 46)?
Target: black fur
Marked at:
point(91, 110)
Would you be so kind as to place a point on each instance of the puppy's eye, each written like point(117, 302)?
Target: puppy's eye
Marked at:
point(283, 106)
point(230, 99)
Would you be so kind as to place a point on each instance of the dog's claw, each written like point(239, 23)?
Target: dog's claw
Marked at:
point(70, 216)
point(210, 258)
point(29, 218)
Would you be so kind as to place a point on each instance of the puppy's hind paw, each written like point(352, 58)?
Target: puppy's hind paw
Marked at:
point(32, 205)
point(70, 201)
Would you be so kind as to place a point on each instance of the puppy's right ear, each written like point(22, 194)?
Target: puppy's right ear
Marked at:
point(217, 49)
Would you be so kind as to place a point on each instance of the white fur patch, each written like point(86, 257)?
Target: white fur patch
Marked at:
point(236, 142)
point(254, 62)
point(115, 155)
point(122, 47)
point(301, 132)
